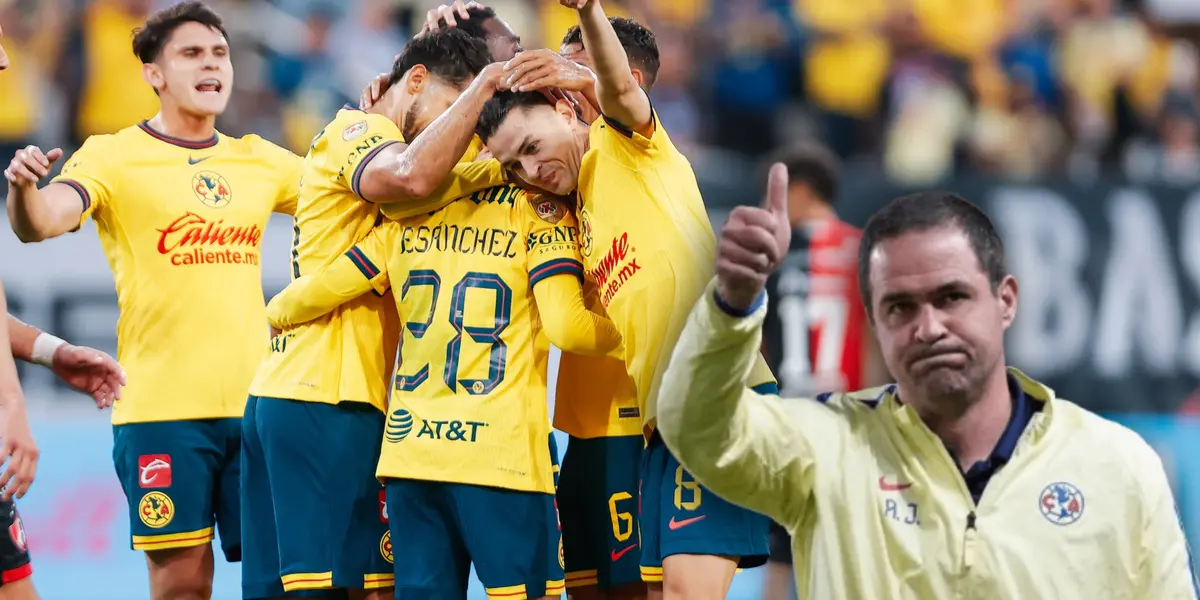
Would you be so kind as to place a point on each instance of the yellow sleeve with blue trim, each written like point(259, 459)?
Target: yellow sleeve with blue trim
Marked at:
point(361, 269)
point(752, 449)
point(91, 174)
point(465, 179)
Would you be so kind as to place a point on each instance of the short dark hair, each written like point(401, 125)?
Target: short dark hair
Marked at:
point(924, 211)
point(149, 39)
point(637, 40)
point(453, 56)
point(500, 105)
point(813, 165)
point(473, 24)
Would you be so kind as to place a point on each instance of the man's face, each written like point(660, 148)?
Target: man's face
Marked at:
point(539, 145)
point(939, 324)
point(501, 40)
point(3, 54)
point(194, 70)
point(423, 98)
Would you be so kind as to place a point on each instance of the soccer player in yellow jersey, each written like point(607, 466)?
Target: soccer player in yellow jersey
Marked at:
point(466, 459)
point(965, 479)
point(314, 517)
point(640, 210)
point(180, 211)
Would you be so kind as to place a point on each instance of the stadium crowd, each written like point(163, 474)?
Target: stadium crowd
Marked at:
point(1016, 88)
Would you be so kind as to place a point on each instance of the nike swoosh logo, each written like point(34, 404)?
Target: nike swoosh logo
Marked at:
point(673, 524)
point(196, 161)
point(892, 487)
point(616, 555)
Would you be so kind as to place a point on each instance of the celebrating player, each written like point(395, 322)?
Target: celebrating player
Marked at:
point(640, 210)
point(964, 473)
point(314, 517)
point(466, 460)
point(816, 336)
point(180, 211)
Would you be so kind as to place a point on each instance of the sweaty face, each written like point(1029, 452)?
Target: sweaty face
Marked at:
point(425, 105)
point(539, 145)
point(194, 70)
point(939, 324)
point(502, 42)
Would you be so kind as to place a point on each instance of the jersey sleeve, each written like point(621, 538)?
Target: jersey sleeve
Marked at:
point(629, 147)
point(754, 450)
point(356, 143)
point(552, 239)
point(1165, 564)
point(360, 270)
point(91, 174)
point(761, 379)
point(289, 168)
point(465, 179)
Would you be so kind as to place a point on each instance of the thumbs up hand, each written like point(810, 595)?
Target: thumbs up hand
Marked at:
point(753, 243)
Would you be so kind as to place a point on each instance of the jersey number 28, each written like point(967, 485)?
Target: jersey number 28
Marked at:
point(482, 335)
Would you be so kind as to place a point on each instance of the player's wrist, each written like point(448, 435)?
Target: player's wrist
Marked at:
point(45, 346)
point(739, 303)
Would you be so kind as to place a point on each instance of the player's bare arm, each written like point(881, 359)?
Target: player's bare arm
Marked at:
point(86, 370)
point(406, 172)
point(39, 214)
point(617, 91)
point(18, 447)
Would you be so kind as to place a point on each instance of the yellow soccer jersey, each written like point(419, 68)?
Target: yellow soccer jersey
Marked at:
point(647, 242)
point(348, 354)
point(877, 507)
point(469, 399)
point(181, 224)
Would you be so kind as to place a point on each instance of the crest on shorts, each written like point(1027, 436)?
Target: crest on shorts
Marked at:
point(548, 210)
point(385, 546)
point(16, 531)
point(156, 510)
point(562, 562)
point(1061, 503)
point(354, 131)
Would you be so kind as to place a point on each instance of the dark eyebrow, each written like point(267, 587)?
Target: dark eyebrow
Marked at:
point(941, 290)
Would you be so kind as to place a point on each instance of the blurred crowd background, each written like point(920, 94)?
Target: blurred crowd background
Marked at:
point(917, 89)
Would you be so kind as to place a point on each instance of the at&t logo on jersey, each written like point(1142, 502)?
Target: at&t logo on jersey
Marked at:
point(399, 425)
point(154, 471)
point(194, 240)
point(613, 271)
point(212, 189)
point(1061, 503)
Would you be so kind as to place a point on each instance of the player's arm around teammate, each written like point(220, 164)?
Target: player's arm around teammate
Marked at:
point(361, 269)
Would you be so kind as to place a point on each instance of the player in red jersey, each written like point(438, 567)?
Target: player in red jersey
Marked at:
point(816, 337)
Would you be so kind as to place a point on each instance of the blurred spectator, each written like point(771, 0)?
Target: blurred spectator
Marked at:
point(112, 94)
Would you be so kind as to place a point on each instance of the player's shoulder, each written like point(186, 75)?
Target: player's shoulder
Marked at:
point(351, 125)
point(252, 143)
point(1098, 435)
point(126, 139)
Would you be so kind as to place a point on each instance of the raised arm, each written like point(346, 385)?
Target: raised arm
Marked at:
point(620, 97)
point(410, 172)
point(360, 270)
point(40, 214)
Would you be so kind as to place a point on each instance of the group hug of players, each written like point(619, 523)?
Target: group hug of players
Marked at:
point(481, 204)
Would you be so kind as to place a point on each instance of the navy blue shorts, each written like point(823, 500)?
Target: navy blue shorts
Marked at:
point(680, 516)
point(511, 537)
point(314, 513)
point(597, 503)
point(181, 479)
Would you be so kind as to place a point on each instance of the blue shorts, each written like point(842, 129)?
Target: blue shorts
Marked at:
point(512, 538)
point(597, 503)
point(314, 512)
point(680, 516)
point(181, 480)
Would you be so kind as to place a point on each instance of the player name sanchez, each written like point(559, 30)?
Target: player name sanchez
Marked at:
point(462, 239)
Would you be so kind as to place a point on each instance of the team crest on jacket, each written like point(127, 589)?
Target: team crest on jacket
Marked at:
point(548, 210)
point(1061, 503)
point(354, 131)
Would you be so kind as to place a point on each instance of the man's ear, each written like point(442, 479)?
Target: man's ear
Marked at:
point(416, 78)
point(566, 110)
point(639, 77)
point(153, 76)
